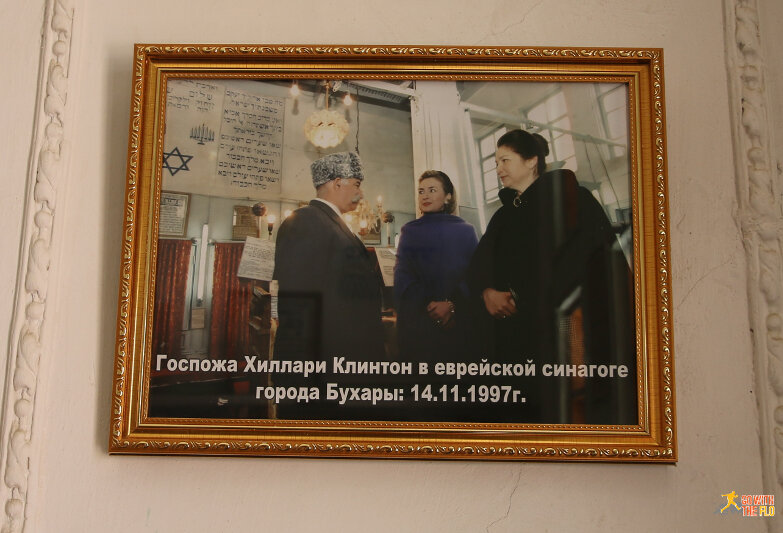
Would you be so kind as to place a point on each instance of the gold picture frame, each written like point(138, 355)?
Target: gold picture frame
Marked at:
point(180, 90)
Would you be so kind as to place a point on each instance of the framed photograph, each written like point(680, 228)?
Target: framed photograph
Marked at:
point(396, 252)
point(174, 212)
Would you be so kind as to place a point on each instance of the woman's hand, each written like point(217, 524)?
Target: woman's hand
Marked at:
point(499, 304)
point(441, 313)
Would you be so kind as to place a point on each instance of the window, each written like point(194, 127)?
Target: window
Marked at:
point(612, 103)
point(486, 145)
point(552, 115)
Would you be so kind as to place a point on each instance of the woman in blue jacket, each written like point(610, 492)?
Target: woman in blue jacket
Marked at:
point(433, 311)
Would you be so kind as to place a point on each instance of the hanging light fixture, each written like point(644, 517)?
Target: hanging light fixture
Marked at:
point(326, 128)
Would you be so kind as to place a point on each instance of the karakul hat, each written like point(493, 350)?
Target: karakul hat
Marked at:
point(340, 165)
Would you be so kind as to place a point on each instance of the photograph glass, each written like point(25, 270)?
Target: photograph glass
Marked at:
point(339, 260)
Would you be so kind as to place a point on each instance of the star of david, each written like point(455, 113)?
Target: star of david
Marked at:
point(183, 161)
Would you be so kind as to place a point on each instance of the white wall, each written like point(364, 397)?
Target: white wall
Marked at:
point(75, 486)
point(17, 104)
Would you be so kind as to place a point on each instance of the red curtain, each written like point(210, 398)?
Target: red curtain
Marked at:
point(169, 309)
point(229, 334)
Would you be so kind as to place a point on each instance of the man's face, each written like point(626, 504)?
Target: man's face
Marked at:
point(348, 192)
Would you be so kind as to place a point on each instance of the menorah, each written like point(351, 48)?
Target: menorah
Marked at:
point(202, 134)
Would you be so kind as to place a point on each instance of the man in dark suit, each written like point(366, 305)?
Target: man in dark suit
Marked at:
point(329, 286)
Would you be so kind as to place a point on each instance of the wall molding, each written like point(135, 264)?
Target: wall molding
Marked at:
point(25, 348)
point(760, 221)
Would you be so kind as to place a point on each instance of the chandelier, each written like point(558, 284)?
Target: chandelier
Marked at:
point(326, 128)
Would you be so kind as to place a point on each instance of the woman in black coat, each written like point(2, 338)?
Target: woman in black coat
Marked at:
point(553, 290)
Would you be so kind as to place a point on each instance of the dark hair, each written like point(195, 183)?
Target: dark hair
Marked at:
point(448, 187)
point(527, 145)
